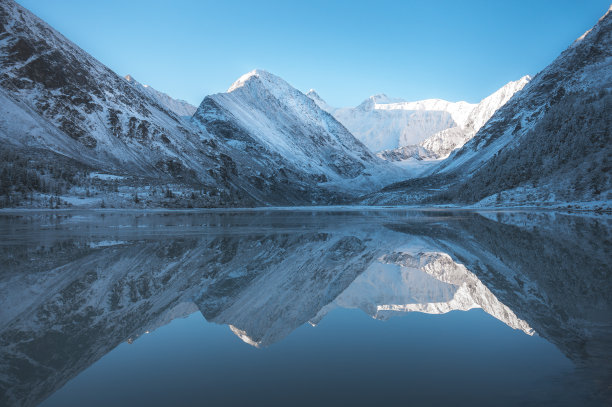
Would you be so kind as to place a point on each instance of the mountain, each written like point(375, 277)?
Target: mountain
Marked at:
point(443, 143)
point(404, 153)
point(65, 117)
point(75, 133)
point(384, 123)
point(178, 106)
point(549, 144)
point(283, 131)
point(395, 128)
point(319, 101)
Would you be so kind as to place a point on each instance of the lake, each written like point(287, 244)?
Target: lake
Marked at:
point(355, 307)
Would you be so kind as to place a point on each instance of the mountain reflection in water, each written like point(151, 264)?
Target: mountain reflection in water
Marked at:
point(74, 285)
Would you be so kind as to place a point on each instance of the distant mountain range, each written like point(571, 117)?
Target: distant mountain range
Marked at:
point(397, 126)
point(384, 123)
point(549, 144)
point(74, 133)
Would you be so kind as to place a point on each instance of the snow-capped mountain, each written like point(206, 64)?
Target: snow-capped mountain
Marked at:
point(384, 123)
point(319, 101)
point(441, 144)
point(178, 106)
point(444, 142)
point(550, 143)
point(280, 128)
point(64, 112)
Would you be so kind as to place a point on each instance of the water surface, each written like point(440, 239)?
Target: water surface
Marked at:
point(305, 307)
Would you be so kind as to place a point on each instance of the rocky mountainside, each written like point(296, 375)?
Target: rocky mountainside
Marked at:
point(178, 106)
point(284, 131)
point(441, 144)
point(416, 152)
point(78, 134)
point(65, 116)
point(549, 144)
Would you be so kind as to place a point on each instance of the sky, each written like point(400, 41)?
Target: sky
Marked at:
point(345, 50)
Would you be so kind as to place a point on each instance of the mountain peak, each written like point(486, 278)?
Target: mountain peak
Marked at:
point(313, 94)
point(264, 76)
point(382, 98)
point(599, 22)
point(519, 82)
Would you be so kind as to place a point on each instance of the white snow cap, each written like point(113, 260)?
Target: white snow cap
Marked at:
point(265, 76)
point(313, 94)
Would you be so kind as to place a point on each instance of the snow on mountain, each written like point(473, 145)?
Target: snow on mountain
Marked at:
point(441, 144)
point(417, 152)
point(178, 106)
point(549, 144)
point(279, 126)
point(319, 101)
point(554, 135)
point(445, 141)
point(384, 123)
point(76, 116)
point(459, 111)
point(70, 111)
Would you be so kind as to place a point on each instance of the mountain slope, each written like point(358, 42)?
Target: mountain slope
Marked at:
point(444, 142)
point(77, 133)
point(178, 106)
point(549, 144)
point(284, 131)
point(384, 123)
point(61, 103)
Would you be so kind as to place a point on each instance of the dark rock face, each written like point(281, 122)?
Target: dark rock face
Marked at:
point(67, 84)
point(406, 152)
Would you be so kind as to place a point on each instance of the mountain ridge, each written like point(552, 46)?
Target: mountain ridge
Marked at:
point(548, 145)
point(74, 110)
point(178, 106)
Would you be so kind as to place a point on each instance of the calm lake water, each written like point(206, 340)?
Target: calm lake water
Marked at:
point(303, 307)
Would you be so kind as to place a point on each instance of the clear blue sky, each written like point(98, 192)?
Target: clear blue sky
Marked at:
point(346, 50)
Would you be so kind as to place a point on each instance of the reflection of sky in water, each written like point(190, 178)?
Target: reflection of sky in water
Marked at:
point(353, 307)
point(348, 358)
